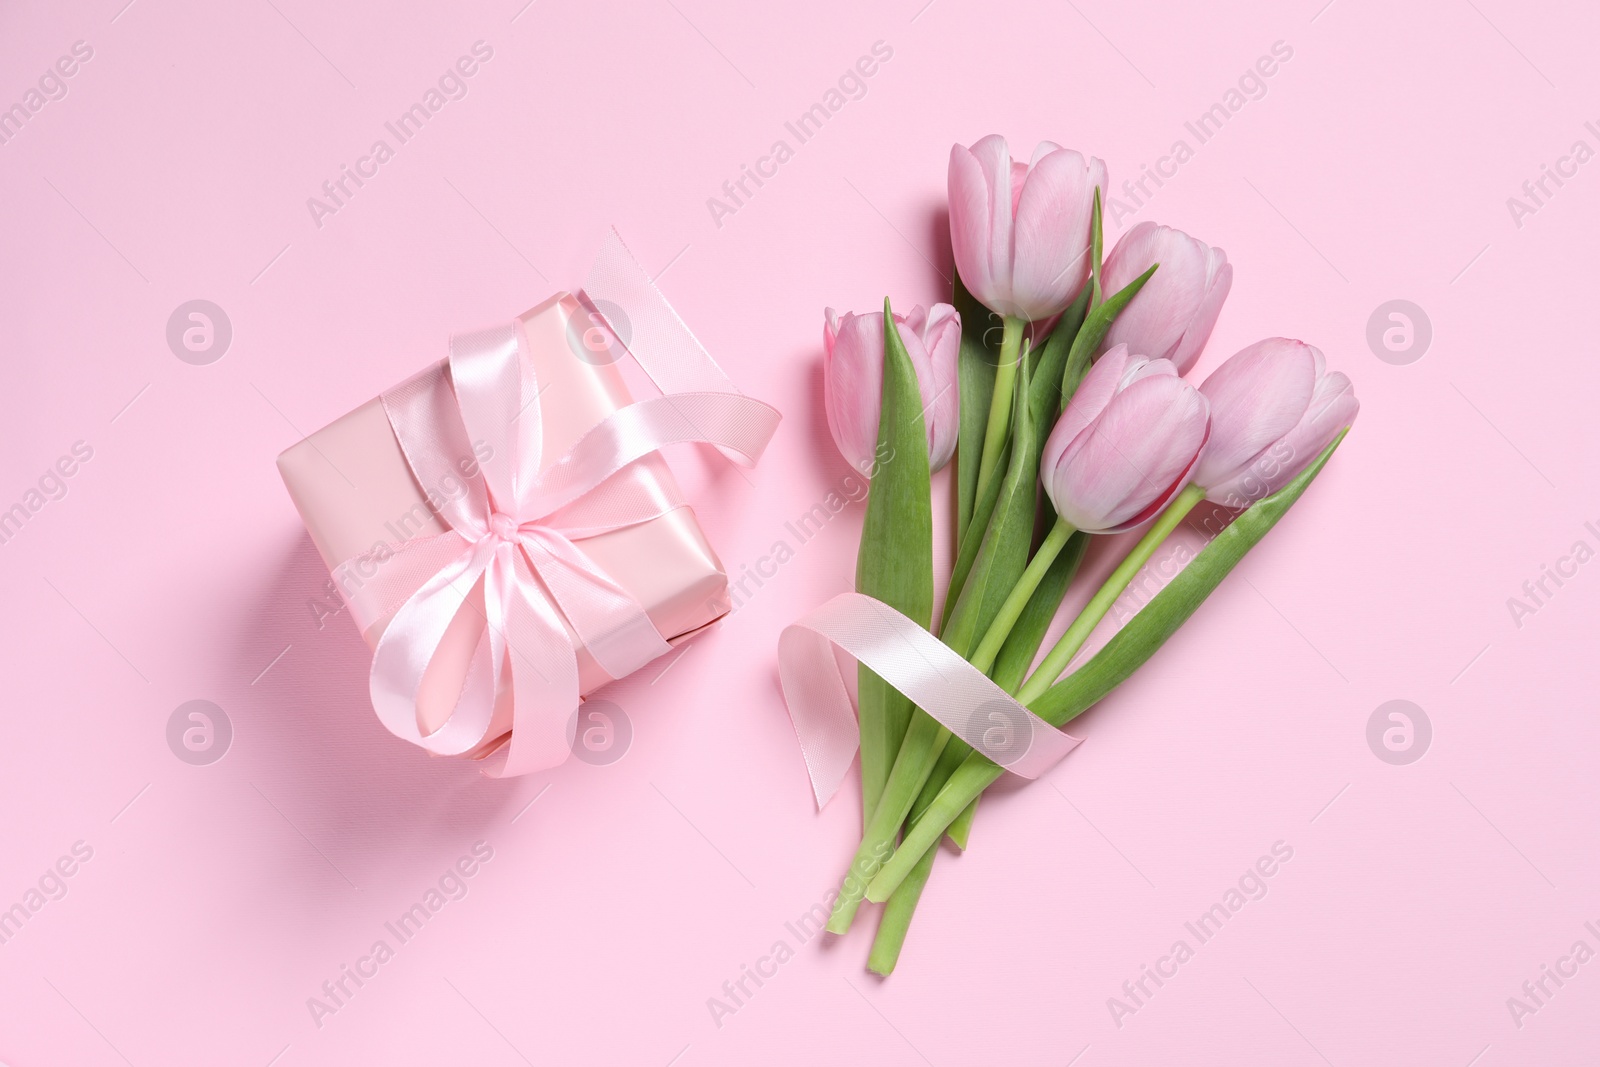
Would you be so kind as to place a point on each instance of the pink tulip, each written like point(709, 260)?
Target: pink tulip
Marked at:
point(852, 372)
point(1274, 408)
point(1021, 231)
point(1173, 314)
point(1126, 444)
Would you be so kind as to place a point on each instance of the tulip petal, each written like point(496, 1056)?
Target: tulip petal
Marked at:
point(1050, 261)
point(970, 227)
point(1156, 320)
point(993, 156)
point(1130, 257)
point(941, 336)
point(852, 365)
point(1333, 408)
point(1141, 367)
point(1145, 440)
point(1042, 149)
point(1256, 397)
point(1205, 319)
point(1099, 385)
point(1019, 179)
point(911, 337)
point(853, 386)
point(830, 331)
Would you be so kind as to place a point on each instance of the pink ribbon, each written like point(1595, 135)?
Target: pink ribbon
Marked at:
point(937, 680)
point(513, 529)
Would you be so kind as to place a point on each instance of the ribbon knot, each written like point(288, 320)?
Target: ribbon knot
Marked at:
point(503, 527)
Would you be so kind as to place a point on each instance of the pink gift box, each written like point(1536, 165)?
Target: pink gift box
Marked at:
point(357, 495)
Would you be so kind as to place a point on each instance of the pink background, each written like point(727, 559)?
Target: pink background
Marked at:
point(219, 898)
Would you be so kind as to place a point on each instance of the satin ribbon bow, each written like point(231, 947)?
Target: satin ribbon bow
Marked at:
point(514, 530)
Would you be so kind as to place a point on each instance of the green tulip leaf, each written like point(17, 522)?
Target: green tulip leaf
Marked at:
point(1003, 551)
point(1044, 399)
point(1148, 630)
point(1022, 644)
point(975, 372)
point(1095, 327)
point(895, 562)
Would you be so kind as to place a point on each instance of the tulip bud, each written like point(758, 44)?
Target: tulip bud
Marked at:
point(852, 372)
point(1020, 232)
point(1126, 444)
point(1172, 316)
point(1273, 410)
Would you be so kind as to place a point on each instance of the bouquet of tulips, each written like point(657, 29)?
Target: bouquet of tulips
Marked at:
point(1055, 379)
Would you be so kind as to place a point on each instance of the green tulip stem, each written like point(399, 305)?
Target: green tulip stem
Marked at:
point(924, 742)
point(994, 437)
point(1071, 641)
point(1011, 610)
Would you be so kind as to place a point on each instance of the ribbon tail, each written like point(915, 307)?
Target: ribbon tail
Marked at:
point(958, 695)
point(819, 707)
point(544, 680)
point(658, 338)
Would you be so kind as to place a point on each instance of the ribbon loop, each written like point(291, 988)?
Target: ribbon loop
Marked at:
point(490, 379)
point(738, 425)
point(958, 695)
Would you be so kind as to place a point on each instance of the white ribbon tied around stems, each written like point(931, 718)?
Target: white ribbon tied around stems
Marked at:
point(513, 529)
point(927, 671)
